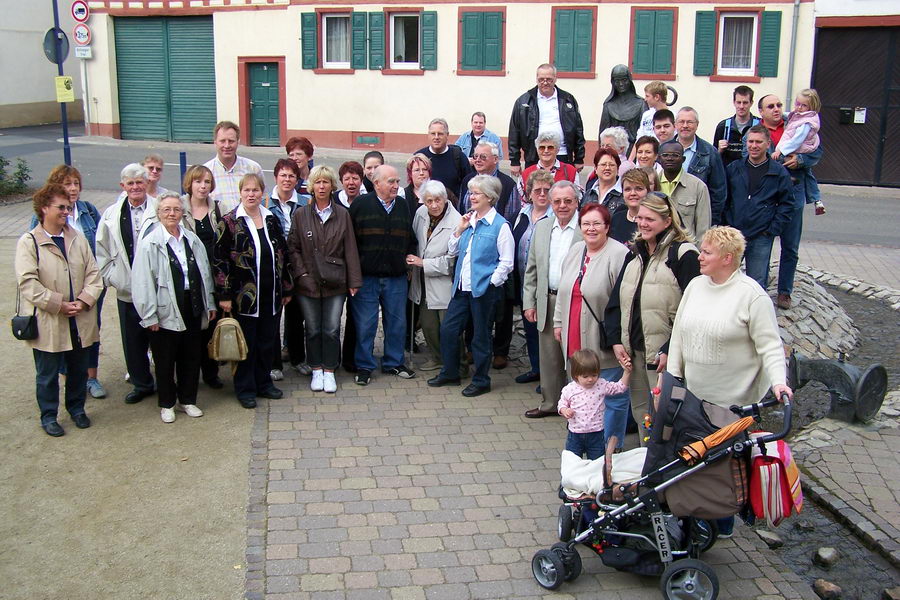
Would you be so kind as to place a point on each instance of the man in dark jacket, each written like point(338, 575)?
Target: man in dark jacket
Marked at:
point(702, 160)
point(729, 136)
point(545, 107)
point(384, 238)
point(760, 202)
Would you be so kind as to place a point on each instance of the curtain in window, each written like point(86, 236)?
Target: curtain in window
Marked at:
point(400, 40)
point(737, 42)
point(337, 39)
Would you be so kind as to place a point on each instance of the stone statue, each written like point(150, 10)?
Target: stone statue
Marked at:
point(623, 107)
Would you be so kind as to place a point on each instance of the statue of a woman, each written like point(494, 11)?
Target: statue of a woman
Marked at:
point(623, 107)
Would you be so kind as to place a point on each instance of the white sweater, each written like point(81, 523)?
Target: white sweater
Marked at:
point(725, 341)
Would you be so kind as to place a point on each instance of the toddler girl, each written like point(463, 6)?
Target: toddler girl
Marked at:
point(801, 135)
point(582, 403)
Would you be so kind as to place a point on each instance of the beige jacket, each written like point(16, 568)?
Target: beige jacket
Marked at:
point(691, 196)
point(111, 255)
point(536, 286)
point(46, 286)
point(596, 285)
point(438, 265)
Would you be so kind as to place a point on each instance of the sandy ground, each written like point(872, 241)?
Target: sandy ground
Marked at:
point(130, 508)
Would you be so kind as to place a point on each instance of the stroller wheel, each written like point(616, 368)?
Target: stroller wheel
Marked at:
point(689, 579)
point(571, 560)
point(564, 523)
point(548, 569)
point(705, 534)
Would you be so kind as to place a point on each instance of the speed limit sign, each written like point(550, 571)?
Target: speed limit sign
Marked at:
point(82, 34)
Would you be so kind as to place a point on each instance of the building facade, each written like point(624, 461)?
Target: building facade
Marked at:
point(373, 74)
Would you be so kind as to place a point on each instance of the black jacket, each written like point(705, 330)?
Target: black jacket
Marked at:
point(523, 127)
point(763, 211)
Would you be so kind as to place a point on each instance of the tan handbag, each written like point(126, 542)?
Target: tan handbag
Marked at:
point(227, 343)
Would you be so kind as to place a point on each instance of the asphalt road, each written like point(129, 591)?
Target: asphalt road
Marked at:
point(856, 215)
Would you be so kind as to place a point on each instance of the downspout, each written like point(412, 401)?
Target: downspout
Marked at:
point(788, 98)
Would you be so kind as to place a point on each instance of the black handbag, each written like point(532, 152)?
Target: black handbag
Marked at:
point(25, 327)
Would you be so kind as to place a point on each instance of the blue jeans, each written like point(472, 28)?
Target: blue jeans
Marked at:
point(323, 330)
point(531, 343)
point(462, 306)
point(590, 444)
point(46, 366)
point(790, 250)
point(615, 417)
point(756, 257)
point(390, 294)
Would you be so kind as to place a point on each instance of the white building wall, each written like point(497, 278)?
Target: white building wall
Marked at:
point(856, 8)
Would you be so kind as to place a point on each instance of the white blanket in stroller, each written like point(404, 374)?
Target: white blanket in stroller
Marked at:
point(585, 477)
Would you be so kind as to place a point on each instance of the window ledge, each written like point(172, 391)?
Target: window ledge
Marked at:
point(651, 76)
point(402, 71)
point(735, 78)
point(322, 71)
point(576, 75)
point(460, 72)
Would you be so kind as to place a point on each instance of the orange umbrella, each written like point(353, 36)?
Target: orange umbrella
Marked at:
point(694, 452)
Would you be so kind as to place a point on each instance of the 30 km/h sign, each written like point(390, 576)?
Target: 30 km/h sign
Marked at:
point(82, 34)
point(80, 11)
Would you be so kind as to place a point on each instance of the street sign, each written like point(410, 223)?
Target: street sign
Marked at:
point(50, 45)
point(80, 11)
point(83, 52)
point(82, 34)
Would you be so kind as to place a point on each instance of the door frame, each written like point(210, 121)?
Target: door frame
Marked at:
point(244, 95)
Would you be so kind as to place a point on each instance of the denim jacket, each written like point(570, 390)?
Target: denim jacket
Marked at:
point(88, 218)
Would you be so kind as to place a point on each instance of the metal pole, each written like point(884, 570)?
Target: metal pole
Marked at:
point(85, 94)
point(67, 150)
point(182, 160)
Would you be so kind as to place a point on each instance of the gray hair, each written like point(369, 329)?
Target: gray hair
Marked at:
point(565, 184)
point(547, 66)
point(133, 171)
point(689, 109)
point(168, 194)
point(432, 189)
point(619, 136)
point(440, 121)
point(495, 150)
point(488, 185)
point(548, 136)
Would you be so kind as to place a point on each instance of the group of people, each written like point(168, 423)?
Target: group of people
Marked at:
point(611, 285)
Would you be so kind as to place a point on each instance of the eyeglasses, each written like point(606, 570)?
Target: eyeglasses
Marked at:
point(592, 224)
point(546, 147)
point(546, 80)
point(62, 207)
point(670, 155)
point(771, 106)
point(171, 209)
point(681, 122)
point(481, 156)
point(540, 191)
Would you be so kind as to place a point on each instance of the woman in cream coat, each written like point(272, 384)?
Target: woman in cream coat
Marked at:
point(588, 276)
point(172, 289)
point(433, 225)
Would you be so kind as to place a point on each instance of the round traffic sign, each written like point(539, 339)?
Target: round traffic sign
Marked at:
point(82, 34)
point(80, 11)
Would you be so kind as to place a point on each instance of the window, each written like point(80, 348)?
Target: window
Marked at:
point(731, 45)
point(573, 41)
point(482, 35)
point(336, 41)
point(404, 41)
point(653, 41)
point(737, 44)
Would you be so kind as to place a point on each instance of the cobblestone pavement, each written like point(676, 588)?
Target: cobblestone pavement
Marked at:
point(397, 490)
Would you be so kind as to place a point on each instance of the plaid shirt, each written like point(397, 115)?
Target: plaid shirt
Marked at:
point(226, 180)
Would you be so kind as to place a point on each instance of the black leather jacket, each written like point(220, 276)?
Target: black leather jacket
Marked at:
point(523, 127)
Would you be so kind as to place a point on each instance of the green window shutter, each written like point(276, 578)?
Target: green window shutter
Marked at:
point(564, 50)
point(704, 42)
point(644, 33)
point(769, 39)
point(662, 44)
point(493, 41)
point(428, 26)
point(309, 50)
point(472, 36)
point(376, 40)
point(358, 50)
point(584, 33)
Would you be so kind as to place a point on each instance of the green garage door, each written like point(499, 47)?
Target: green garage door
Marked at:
point(166, 78)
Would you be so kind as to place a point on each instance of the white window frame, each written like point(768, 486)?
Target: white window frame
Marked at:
point(326, 64)
point(751, 71)
point(413, 66)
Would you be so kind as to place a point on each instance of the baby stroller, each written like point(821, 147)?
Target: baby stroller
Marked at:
point(660, 523)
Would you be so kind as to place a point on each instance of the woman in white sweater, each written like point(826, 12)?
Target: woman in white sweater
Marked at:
point(725, 342)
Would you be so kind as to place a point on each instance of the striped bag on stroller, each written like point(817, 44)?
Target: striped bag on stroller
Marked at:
point(775, 490)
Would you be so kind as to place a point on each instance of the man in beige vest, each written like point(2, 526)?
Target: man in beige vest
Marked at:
point(549, 245)
point(688, 193)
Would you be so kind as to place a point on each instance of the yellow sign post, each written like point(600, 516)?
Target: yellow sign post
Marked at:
point(65, 89)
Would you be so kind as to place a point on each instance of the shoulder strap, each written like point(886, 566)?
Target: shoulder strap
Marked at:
point(727, 128)
point(37, 257)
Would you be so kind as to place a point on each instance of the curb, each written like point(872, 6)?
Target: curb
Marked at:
point(887, 295)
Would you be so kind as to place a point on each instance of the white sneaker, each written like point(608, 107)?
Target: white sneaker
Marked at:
point(276, 374)
point(190, 409)
point(330, 384)
point(317, 382)
point(167, 415)
point(304, 369)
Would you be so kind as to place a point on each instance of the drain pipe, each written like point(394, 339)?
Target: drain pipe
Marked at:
point(788, 99)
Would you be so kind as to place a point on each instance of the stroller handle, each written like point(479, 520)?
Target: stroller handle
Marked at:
point(754, 410)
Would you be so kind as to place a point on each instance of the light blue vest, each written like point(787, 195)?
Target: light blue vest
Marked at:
point(484, 258)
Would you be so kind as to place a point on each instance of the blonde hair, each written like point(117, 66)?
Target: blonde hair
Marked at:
point(728, 240)
point(657, 88)
point(323, 172)
point(196, 173)
point(257, 178)
point(661, 204)
point(812, 96)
